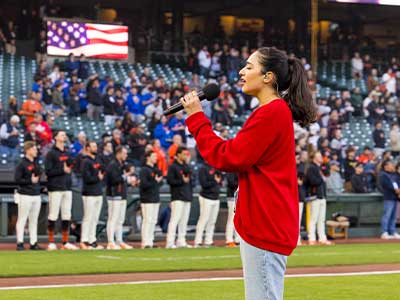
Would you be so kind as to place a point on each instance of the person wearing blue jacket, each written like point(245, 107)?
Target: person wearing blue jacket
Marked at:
point(390, 190)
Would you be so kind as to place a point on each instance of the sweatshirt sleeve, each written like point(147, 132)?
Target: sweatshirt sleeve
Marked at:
point(243, 151)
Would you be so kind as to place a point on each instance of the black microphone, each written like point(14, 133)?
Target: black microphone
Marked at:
point(209, 92)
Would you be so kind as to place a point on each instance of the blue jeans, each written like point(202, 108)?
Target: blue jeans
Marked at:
point(263, 272)
point(389, 216)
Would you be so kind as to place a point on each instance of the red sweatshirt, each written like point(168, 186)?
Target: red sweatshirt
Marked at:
point(263, 155)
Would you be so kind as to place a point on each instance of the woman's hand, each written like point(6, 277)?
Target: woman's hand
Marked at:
point(191, 103)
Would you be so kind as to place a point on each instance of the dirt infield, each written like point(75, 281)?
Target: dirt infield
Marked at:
point(136, 277)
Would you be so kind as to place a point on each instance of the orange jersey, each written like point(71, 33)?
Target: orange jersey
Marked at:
point(28, 109)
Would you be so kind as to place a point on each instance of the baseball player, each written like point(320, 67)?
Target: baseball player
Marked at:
point(92, 196)
point(179, 178)
point(117, 178)
point(150, 181)
point(58, 170)
point(27, 174)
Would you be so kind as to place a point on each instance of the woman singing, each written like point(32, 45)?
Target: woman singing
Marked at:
point(263, 156)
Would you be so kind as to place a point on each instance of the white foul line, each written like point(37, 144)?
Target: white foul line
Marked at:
point(192, 280)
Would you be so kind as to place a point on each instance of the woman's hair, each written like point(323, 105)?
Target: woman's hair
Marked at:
point(291, 83)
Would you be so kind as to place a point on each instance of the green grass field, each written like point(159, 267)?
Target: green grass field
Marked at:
point(382, 287)
point(164, 260)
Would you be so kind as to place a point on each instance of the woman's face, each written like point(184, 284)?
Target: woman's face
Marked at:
point(251, 77)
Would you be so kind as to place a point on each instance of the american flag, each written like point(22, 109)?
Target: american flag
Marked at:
point(93, 40)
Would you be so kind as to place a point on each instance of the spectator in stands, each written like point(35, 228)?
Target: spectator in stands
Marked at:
point(375, 109)
point(131, 80)
point(71, 64)
point(333, 123)
point(44, 133)
point(10, 35)
point(117, 138)
point(359, 182)
point(58, 100)
point(83, 72)
point(127, 124)
point(135, 105)
point(372, 80)
point(41, 46)
point(107, 154)
point(73, 101)
point(224, 109)
point(233, 64)
point(162, 164)
point(389, 80)
point(95, 105)
point(204, 58)
point(176, 143)
point(390, 190)
point(334, 182)
point(315, 182)
point(137, 143)
point(9, 142)
point(357, 102)
point(177, 125)
point(83, 103)
point(79, 144)
point(337, 143)
point(12, 107)
point(109, 103)
point(395, 140)
point(163, 133)
point(357, 65)
point(31, 107)
point(349, 167)
point(3, 114)
point(153, 108)
point(55, 73)
point(378, 136)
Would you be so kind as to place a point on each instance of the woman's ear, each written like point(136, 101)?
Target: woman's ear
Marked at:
point(268, 77)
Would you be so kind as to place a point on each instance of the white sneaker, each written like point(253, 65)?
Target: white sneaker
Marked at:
point(185, 246)
point(170, 247)
point(51, 247)
point(396, 236)
point(69, 246)
point(386, 236)
point(125, 246)
point(113, 246)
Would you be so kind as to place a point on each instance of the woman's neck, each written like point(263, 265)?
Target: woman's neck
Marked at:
point(265, 96)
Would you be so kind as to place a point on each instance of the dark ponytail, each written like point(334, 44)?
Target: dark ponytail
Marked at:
point(291, 83)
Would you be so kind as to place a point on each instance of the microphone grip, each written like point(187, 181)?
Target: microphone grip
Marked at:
point(178, 106)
